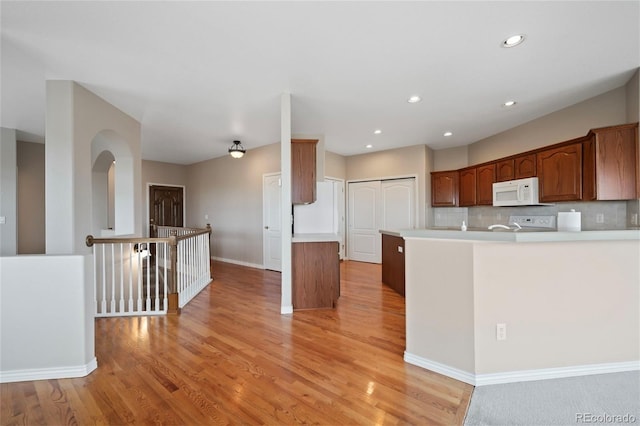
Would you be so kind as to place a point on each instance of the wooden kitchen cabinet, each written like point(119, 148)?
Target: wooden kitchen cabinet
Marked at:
point(560, 173)
point(610, 157)
point(485, 177)
point(315, 281)
point(393, 262)
point(303, 171)
point(467, 193)
point(444, 189)
point(524, 166)
point(505, 170)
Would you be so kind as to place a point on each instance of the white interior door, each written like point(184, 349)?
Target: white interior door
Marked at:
point(398, 206)
point(340, 204)
point(271, 217)
point(377, 205)
point(364, 240)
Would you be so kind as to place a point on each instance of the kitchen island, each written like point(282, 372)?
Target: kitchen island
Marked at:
point(315, 260)
point(569, 302)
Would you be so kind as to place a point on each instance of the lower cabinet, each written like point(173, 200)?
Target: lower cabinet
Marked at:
point(315, 274)
point(393, 262)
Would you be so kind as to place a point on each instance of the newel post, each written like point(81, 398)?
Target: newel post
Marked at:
point(209, 260)
point(173, 307)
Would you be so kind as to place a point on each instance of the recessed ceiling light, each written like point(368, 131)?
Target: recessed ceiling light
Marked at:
point(414, 99)
point(514, 40)
point(369, 146)
point(509, 103)
point(377, 132)
point(448, 133)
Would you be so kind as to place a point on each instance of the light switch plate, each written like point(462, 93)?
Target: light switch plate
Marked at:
point(3, 220)
point(400, 249)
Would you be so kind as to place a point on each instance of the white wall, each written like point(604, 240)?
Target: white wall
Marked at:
point(46, 317)
point(8, 196)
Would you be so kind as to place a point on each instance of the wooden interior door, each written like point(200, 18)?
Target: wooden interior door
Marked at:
point(166, 205)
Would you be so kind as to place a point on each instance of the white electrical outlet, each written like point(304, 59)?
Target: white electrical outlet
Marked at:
point(600, 218)
point(400, 249)
point(206, 217)
point(501, 331)
point(634, 219)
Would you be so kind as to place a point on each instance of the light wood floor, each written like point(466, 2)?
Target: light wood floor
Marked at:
point(232, 358)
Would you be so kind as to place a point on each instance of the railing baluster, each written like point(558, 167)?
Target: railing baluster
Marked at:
point(130, 278)
point(95, 281)
point(157, 273)
point(103, 303)
point(139, 282)
point(148, 298)
point(112, 302)
point(166, 279)
point(121, 280)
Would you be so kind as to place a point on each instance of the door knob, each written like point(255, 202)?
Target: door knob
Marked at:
point(266, 227)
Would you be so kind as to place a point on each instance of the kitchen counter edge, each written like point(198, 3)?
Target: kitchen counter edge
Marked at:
point(449, 234)
point(315, 238)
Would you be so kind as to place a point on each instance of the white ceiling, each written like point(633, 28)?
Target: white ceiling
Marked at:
point(198, 75)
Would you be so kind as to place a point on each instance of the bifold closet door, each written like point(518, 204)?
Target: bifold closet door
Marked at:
point(376, 205)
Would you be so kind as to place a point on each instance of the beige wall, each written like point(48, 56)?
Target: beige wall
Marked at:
point(557, 315)
point(633, 98)
point(451, 158)
point(439, 302)
point(229, 191)
point(335, 165)
point(604, 110)
point(407, 161)
point(31, 232)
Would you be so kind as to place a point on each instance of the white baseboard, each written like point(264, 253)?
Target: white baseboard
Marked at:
point(237, 262)
point(454, 373)
point(555, 373)
point(48, 373)
point(284, 310)
point(522, 375)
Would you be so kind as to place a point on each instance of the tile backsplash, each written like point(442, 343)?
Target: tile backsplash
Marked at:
point(614, 214)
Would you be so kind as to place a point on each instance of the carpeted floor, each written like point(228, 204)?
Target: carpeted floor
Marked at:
point(598, 399)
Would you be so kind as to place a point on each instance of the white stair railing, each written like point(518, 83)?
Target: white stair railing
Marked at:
point(193, 266)
point(127, 280)
point(150, 276)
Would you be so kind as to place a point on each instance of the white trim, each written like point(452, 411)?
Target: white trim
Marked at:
point(555, 373)
point(48, 373)
point(522, 375)
point(455, 373)
point(237, 262)
point(284, 310)
point(145, 228)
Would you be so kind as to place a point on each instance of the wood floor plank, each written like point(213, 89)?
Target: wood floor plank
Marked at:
point(232, 358)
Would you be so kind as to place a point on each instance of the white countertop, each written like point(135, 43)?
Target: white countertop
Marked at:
point(511, 236)
point(315, 238)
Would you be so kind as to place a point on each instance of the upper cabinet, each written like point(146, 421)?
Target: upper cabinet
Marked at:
point(611, 163)
point(303, 171)
point(485, 177)
point(444, 189)
point(467, 187)
point(522, 166)
point(525, 166)
point(560, 173)
point(604, 165)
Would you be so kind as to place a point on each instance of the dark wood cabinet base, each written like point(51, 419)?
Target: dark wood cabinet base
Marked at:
point(316, 275)
point(393, 262)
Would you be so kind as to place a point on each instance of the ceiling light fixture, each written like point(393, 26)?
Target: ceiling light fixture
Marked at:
point(513, 41)
point(448, 134)
point(237, 150)
point(414, 99)
point(368, 146)
point(509, 103)
point(377, 132)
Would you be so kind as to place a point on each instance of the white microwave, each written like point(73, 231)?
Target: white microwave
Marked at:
point(519, 192)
